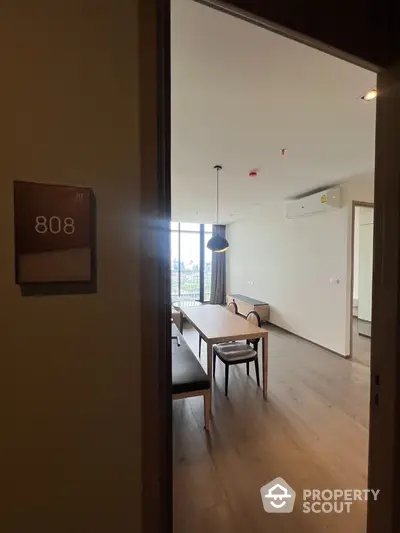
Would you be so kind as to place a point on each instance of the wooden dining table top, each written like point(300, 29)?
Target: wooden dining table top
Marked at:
point(215, 323)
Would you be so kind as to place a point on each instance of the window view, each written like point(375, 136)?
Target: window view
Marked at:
point(190, 261)
point(207, 262)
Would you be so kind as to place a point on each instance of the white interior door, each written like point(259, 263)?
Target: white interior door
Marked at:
point(366, 245)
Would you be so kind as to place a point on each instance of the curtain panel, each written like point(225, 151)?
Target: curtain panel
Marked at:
point(218, 271)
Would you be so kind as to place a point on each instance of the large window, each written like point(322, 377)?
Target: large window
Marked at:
point(207, 262)
point(190, 261)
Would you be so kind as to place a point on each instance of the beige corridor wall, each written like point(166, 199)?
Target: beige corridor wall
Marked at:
point(70, 403)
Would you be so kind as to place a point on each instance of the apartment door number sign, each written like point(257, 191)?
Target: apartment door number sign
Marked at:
point(54, 233)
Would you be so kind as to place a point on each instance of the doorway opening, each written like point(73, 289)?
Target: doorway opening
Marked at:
point(362, 267)
point(289, 125)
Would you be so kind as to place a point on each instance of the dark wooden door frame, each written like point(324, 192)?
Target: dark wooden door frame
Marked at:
point(294, 20)
point(155, 178)
point(364, 38)
point(384, 440)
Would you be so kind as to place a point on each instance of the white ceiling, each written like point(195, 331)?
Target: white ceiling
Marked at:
point(241, 93)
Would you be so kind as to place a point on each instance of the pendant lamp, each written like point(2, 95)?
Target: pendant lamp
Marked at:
point(218, 243)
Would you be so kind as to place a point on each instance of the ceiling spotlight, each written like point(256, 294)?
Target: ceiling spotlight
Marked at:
point(370, 95)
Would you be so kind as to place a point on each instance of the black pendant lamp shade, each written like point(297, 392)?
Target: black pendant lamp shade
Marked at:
point(217, 243)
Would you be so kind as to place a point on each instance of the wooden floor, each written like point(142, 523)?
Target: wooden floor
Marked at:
point(312, 432)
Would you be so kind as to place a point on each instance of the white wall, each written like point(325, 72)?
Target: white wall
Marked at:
point(290, 263)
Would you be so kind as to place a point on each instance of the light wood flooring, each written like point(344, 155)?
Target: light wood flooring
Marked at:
point(313, 432)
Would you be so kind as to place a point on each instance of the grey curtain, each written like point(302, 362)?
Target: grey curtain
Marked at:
point(218, 272)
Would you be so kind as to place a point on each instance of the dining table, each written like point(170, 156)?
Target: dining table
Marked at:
point(216, 324)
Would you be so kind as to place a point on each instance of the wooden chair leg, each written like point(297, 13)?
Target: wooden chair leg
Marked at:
point(257, 371)
point(248, 368)
point(199, 346)
point(226, 379)
point(214, 361)
point(207, 410)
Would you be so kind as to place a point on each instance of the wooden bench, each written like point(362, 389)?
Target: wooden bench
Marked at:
point(188, 377)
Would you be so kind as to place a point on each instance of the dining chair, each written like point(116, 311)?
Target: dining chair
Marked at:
point(239, 352)
point(175, 333)
point(233, 308)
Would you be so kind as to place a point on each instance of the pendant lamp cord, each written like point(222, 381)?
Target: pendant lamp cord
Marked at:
point(217, 195)
point(218, 168)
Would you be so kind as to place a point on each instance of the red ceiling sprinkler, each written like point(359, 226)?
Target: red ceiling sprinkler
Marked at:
point(253, 174)
point(283, 151)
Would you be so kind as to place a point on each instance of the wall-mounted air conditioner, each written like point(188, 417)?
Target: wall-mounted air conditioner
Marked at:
point(313, 204)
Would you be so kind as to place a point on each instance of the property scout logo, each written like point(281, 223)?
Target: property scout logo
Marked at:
point(279, 497)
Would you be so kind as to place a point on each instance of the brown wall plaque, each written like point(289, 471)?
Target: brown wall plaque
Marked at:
point(54, 233)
